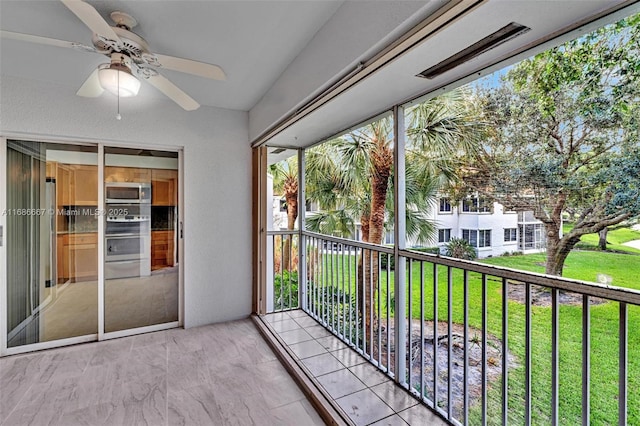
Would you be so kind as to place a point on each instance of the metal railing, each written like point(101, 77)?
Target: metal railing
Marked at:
point(477, 343)
point(283, 290)
point(343, 278)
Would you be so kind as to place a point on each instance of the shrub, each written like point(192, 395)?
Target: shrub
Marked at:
point(285, 290)
point(460, 249)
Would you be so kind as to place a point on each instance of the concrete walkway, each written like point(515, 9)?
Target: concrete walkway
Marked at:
point(634, 244)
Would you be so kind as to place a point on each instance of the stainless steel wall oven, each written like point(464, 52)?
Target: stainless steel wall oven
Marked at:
point(128, 230)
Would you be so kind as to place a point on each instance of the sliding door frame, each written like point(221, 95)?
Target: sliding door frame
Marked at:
point(100, 332)
point(3, 245)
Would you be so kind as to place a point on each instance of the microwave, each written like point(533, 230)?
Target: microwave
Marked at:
point(127, 192)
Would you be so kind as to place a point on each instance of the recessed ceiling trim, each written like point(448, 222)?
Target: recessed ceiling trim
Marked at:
point(434, 23)
point(504, 34)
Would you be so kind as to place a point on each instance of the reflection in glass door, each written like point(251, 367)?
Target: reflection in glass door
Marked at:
point(140, 255)
point(51, 242)
point(55, 226)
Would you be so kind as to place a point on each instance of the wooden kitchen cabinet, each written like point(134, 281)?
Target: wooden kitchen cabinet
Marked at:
point(77, 257)
point(164, 187)
point(162, 249)
point(51, 169)
point(62, 261)
point(63, 185)
point(127, 174)
point(83, 185)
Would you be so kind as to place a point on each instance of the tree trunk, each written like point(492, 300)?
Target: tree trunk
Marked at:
point(291, 197)
point(364, 230)
point(602, 240)
point(382, 159)
point(557, 250)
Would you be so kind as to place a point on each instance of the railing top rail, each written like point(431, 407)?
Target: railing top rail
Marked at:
point(352, 243)
point(618, 294)
point(285, 232)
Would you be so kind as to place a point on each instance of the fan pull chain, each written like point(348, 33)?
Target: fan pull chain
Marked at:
point(118, 116)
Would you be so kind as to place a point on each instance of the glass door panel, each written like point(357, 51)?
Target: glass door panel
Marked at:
point(51, 241)
point(141, 257)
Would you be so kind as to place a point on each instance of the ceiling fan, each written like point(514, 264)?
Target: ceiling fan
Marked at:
point(130, 58)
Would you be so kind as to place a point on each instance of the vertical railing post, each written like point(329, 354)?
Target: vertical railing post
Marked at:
point(400, 244)
point(586, 360)
point(555, 357)
point(302, 242)
point(622, 365)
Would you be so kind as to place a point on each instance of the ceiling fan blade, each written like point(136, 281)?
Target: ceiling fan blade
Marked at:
point(190, 67)
point(91, 18)
point(173, 92)
point(91, 88)
point(45, 40)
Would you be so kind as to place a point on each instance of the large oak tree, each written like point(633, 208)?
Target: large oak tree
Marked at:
point(565, 137)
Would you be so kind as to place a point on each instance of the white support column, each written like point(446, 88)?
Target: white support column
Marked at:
point(101, 242)
point(302, 243)
point(3, 247)
point(400, 293)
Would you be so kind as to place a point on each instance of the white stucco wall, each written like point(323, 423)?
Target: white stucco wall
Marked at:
point(217, 166)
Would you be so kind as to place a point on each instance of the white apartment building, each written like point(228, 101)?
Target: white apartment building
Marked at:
point(488, 226)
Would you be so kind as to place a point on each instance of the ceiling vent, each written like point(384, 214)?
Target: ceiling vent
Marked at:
point(278, 150)
point(503, 35)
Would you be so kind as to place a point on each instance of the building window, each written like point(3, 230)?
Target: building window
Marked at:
point(444, 235)
point(389, 238)
point(445, 205)
point(484, 238)
point(532, 237)
point(476, 205)
point(470, 236)
point(510, 234)
point(477, 238)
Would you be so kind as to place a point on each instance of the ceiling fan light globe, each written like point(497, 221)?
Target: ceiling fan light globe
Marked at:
point(125, 85)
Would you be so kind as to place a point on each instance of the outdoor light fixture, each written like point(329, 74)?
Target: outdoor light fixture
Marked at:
point(491, 41)
point(116, 78)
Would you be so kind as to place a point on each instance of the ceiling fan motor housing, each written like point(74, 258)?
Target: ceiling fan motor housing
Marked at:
point(132, 44)
point(121, 62)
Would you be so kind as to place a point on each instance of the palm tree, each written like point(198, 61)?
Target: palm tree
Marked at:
point(353, 175)
point(285, 182)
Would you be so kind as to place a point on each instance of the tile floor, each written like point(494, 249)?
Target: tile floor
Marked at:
point(222, 374)
point(366, 395)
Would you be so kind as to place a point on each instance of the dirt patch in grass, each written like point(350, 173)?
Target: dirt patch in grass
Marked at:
point(541, 296)
point(422, 361)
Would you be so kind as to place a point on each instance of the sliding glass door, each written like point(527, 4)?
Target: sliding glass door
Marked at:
point(89, 243)
point(141, 252)
point(51, 242)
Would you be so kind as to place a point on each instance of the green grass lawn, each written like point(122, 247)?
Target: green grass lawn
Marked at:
point(585, 265)
point(615, 239)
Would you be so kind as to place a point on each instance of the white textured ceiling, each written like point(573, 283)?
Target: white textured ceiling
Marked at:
point(253, 41)
point(276, 53)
